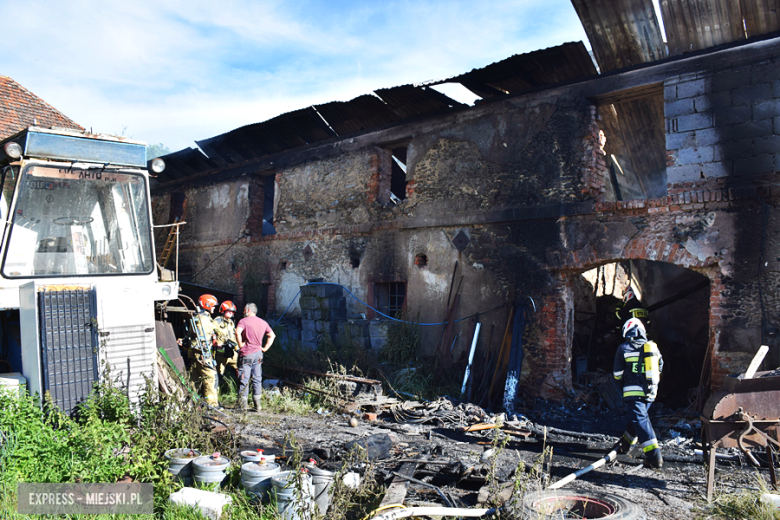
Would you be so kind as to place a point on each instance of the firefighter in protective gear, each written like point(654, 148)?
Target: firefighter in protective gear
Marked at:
point(200, 335)
point(225, 340)
point(638, 365)
point(631, 308)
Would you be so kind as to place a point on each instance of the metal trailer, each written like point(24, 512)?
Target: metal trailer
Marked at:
point(78, 276)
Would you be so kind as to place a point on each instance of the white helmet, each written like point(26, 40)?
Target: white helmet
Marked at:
point(628, 293)
point(633, 328)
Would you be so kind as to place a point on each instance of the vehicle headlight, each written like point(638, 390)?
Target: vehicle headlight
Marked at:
point(166, 290)
point(13, 150)
point(158, 165)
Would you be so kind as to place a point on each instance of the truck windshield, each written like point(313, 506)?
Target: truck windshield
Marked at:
point(71, 222)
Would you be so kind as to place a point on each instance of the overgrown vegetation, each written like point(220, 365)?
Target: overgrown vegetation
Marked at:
point(108, 440)
point(741, 505)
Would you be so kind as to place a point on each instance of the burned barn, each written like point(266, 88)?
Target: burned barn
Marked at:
point(655, 166)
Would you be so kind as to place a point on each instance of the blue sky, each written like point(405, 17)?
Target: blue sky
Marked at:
point(173, 72)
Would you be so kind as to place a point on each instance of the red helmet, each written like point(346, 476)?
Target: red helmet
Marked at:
point(227, 306)
point(208, 302)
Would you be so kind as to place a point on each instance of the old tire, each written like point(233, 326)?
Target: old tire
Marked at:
point(566, 503)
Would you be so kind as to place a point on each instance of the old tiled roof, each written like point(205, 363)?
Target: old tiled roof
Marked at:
point(20, 108)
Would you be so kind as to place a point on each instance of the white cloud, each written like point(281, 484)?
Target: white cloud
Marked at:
point(179, 71)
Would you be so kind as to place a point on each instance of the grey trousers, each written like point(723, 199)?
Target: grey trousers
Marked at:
point(250, 367)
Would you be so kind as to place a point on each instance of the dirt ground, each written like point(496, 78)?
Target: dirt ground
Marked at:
point(677, 491)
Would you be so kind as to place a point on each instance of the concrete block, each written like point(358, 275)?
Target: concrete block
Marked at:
point(730, 79)
point(708, 137)
point(767, 145)
point(334, 302)
point(734, 150)
point(321, 290)
point(732, 115)
point(752, 94)
point(679, 108)
point(753, 129)
point(308, 336)
point(308, 302)
point(694, 122)
point(689, 89)
point(777, 162)
point(689, 173)
point(335, 314)
point(754, 165)
point(766, 72)
point(766, 110)
point(776, 126)
point(326, 327)
point(718, 169)
point(670, 93)
point(378, 328)
point(694, 155)
point(308, 325)
point(776, 89)
point(680, 140)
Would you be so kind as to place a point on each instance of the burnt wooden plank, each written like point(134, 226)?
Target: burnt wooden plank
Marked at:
point(396, 491)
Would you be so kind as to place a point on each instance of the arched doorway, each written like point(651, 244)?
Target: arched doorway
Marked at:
point(678, 299)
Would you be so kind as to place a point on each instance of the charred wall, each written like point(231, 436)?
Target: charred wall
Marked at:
point(513, 191)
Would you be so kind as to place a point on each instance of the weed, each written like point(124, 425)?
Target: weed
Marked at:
point(741, 505)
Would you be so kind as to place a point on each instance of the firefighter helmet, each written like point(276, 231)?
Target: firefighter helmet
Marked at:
point(633, 328)
point(628, 293)
point(208, 302)
point(227, 306)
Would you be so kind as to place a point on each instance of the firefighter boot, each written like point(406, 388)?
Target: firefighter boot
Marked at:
point(653, 459)
point(257, 403)
point(243, 402)
point(625, 444)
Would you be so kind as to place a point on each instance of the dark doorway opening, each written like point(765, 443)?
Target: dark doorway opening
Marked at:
point(678, 301)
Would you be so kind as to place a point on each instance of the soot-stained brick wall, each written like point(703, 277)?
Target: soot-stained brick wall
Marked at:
point(523, 180)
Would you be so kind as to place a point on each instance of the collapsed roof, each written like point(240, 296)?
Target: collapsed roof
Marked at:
point(622, 33)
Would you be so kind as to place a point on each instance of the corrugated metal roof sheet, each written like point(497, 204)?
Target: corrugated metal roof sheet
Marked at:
point(622, 33)
point(358, 115)
point(524, 72)
point(692, 25)
point(408, 101)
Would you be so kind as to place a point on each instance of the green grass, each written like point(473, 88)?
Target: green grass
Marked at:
point(740, 505)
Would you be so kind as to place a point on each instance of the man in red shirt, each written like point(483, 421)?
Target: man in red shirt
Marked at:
point(254, 337)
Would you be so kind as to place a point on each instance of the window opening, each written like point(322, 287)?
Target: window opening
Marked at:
point(421, 260)
point(177, 207)
point(283, 265)
point(389, 297)
point(398, 175)
point(268, 206)
point(354, 262)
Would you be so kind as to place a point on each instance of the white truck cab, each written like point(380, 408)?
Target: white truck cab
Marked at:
point(78, 276)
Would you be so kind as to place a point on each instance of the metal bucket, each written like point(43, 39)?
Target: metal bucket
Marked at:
point(256, 478)
point(255, 456)
point(209, 471)
point(291, 502)
point(180, 463)
point(322, 483)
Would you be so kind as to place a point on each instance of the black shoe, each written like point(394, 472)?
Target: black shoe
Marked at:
point(653, 459)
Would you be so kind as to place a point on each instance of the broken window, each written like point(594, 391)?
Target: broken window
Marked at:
point(398, 175)
point(633, 124)
point(389, 297)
